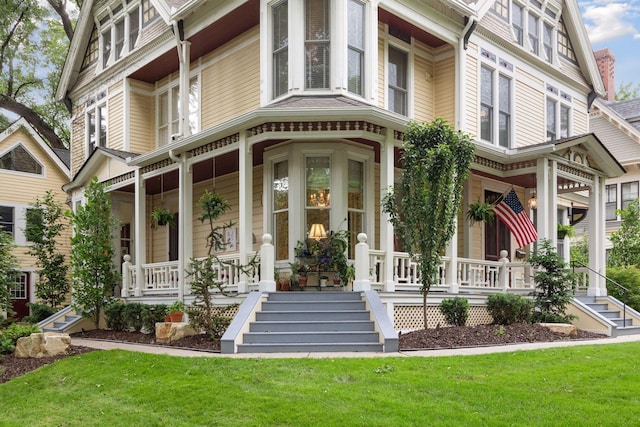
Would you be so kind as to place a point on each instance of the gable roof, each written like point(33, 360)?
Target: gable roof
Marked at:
point(628, 110)
point(99, 156)
point(621, 136)
point(59, 156)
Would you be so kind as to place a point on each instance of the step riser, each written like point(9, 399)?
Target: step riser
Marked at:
point(598, 307)
point(312, 306)
point(325, 348)
point(366, 326)
point(310, 337)
point(315, 296)
point(622, 322)
point(611, 314)
point(314, 315)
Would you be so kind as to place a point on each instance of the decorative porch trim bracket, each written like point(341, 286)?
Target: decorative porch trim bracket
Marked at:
point(267, 263)
point(362, 281)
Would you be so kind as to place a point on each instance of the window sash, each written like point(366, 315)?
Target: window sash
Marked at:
point(551, 120)
point(355, 46)
point(611, 203)
point(517, 23)
point(504, 105)
point(629, 193)
point(7, 219)
point(280, 42)
point(317, 44)
point(486, 104)
point(534, 37)
point(397, 80)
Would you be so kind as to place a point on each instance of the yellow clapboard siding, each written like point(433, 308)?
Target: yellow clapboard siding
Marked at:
point(444, 84)
point(471, 91)
point(381, 87)
point(115, 133)
point(142, 119)
point(423, 89)
point(77, 143)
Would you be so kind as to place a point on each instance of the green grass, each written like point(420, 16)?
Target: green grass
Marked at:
point(585, 385)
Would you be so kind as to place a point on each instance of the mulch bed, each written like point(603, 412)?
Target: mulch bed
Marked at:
point(438, 338)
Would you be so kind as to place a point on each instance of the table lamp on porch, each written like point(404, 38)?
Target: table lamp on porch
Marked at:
point(317, 232)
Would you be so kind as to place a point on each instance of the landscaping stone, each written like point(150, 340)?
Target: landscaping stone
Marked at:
point(167, 332)
point(39, 345)
point(561, 328)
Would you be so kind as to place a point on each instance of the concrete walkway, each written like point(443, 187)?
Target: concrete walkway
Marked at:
point(172, 351)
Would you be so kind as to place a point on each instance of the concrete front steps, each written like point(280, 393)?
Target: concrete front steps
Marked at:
point(611, 313)
point(65, 321)
point(295, 322)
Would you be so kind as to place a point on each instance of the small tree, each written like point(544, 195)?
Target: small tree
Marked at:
point(45, 224)
point(92, 270)
point(8, 270)
point(625, 248)
point(555, 283)
point(436, 161)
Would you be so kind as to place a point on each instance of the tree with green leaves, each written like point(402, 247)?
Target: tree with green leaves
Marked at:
point(93, 272)
point(627, 91)
point(8, 270)
point(423, 208)
point(34, 40)
point(555, 283)
point(45, 224)
point(625, 248)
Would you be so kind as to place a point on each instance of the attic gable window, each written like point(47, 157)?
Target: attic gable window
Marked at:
point(119, 31)
point(564, 43)
point(20, 160)
point(501, 8)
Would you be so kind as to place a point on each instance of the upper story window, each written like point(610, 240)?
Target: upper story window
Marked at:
point(397, 70)
point(534, 33)
point(317, 44)
point(611, 202)
point(565, 49)
point(96, 123)
point(517, 22)
point(501, 8)
point(495, 94)
point(168, 113)
point(7, 219)
point(356, 39)
point(629, 193)
point(119, 30)
point(558, 114)
point(280, 49)
point(547, 41)
point(20, 160)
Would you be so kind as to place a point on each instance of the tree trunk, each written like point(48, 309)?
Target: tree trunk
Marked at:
point(34, 120)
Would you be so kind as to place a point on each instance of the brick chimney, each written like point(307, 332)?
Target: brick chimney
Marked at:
point(606, 62)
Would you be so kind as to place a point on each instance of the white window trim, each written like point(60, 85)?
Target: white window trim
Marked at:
point(168, 89)
point(495, 123)
point(20, 173)
point(110, 26)
point(19, 222)
point(398, 44)
point(559, 102)
point(102, 103)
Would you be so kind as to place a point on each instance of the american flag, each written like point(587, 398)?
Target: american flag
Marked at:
point(511, 212)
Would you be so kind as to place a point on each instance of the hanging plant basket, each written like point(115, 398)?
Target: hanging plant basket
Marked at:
point(161, 217)
point(565, 231)
point(480, 212)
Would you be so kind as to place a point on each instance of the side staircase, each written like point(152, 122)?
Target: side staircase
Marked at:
point(621, 319)
point(293, 322)
point(64, 321)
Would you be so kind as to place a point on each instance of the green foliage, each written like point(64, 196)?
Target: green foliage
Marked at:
point(423, 208)
point(627, 91)
point(625, 248)
point(45, 224)
point(177, 307)
point(8, 270)
point(9, 336)
point(39, 312)
point(506, 309)
point(480, 212)
point(152, 314)
point(455, 310)
point(34, 48)
point(161, 217)
point(565, 230)
point(132, 313)
point(92, 269)
point(579, 251)
point(114, 316)
point(629, 277)
point(555, 283)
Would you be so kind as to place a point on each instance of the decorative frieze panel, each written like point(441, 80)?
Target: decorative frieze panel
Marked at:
point(215, 145)
point(306, 127)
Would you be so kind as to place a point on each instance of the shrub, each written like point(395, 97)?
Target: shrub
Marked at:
point(9, 336)
point(133, 316)
point(38, 312)
point(152, 314)
point(455, 311)
point(509, 308)
point(114, 316)
point(629, 277)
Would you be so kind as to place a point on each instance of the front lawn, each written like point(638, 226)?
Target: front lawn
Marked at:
point(585, 385)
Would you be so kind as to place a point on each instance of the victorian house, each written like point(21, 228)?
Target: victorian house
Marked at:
point(294, 111)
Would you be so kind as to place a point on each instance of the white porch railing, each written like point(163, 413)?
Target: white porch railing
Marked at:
point(164, 278)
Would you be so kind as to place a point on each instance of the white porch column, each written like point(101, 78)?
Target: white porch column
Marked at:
point(185, 66)
point(140, 234)
point(452, 267)
point(185, 223)
point(547, 212)
point(267, 265)
point(553, 203)
point(362, 281)
point(387, 179)
point(597, 285)
point(245, 188)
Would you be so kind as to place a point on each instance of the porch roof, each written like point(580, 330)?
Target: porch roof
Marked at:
point(99, 155)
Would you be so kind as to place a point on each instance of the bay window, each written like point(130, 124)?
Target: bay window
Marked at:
point(355, 202)
point(355, 46)
point(280, 198)
point(318, 193)
point(317, 44)
point(280, 49)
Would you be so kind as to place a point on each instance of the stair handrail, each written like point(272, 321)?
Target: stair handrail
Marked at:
point(624, 289)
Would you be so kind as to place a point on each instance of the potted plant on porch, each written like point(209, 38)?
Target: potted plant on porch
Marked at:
point(161, 217)
point(176, 311)
point(480, 212)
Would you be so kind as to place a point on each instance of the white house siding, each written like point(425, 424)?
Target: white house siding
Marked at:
point(580, 123)
point(231, 84)
point(617, 141)
point(530, 108)
point(142, 129)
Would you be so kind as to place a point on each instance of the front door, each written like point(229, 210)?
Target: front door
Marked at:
point(20, 296)
point(496, 235)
